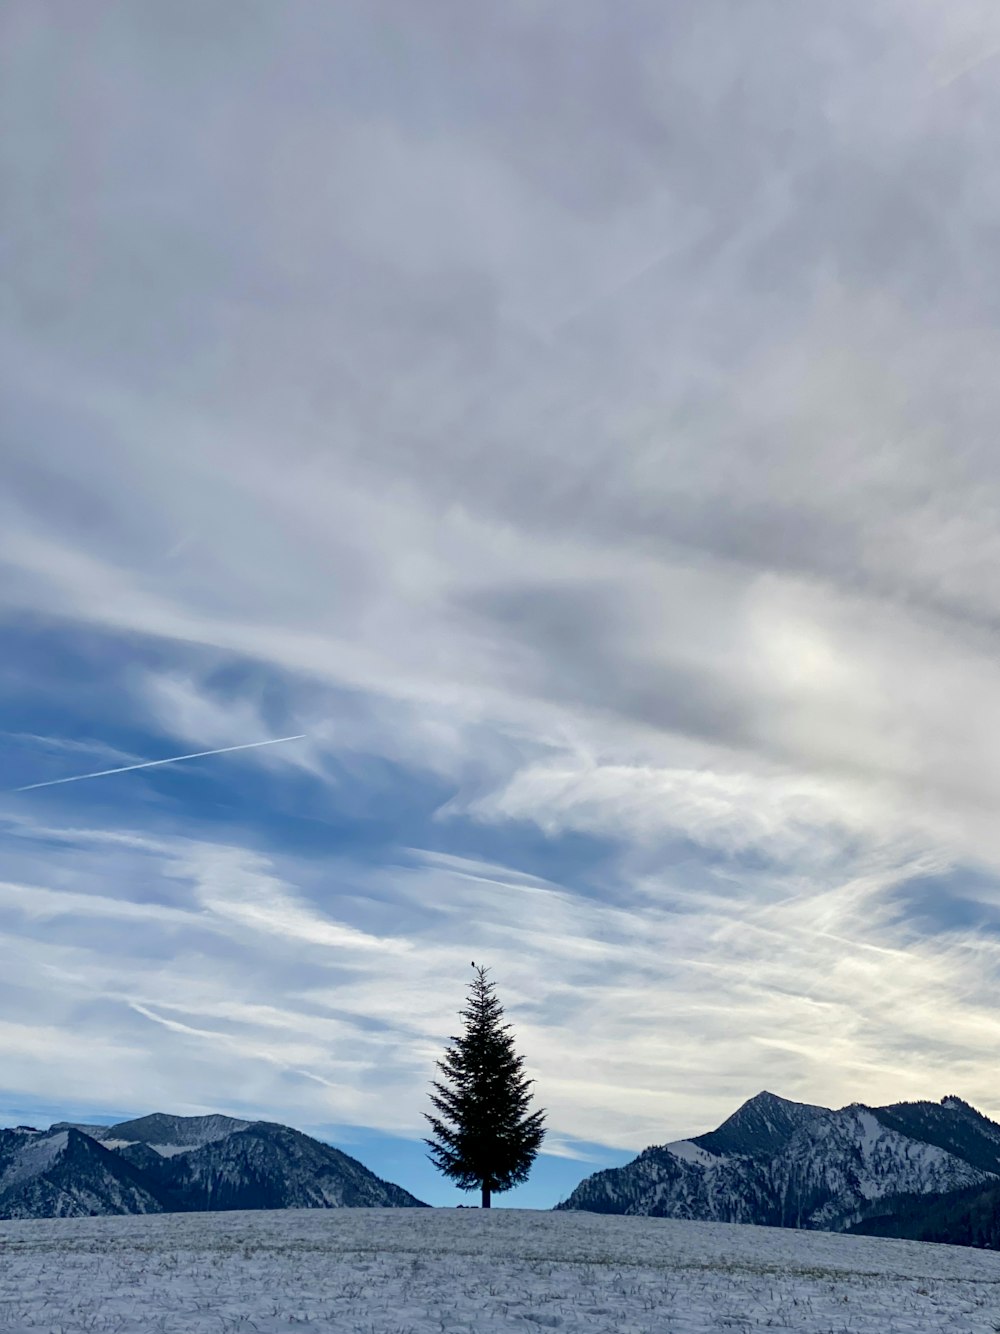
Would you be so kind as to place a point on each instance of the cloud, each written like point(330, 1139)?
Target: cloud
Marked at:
point(809, 980)
point(584, 433)
point(39, 903)
point(240, 888)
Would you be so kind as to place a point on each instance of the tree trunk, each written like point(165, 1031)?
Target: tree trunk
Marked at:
point(486, 1195)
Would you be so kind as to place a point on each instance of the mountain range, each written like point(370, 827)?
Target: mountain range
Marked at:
point(789, 1164)
point(925, 1170)
point(180, 1164)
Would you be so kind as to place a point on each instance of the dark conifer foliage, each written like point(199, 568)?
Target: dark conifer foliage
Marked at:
point(484, 1137)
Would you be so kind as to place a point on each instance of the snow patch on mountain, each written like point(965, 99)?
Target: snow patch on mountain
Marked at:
point(169, 1135)
point(32, 1158)
point(688, 1152)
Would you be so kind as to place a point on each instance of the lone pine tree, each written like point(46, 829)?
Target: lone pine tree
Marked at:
point(484, 1137)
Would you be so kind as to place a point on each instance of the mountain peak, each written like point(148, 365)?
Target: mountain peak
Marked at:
point(168, 1134)
point(765, 1096)
point(956, 1104)
point(763, 1125)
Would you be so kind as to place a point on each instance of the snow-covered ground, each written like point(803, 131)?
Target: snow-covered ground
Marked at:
point(408, 1271)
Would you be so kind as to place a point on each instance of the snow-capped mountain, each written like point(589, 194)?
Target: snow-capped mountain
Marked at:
point(788, 1164)
point(180, 1164)
point(166, 1135)
point(268, 1166)
point(63, 1173)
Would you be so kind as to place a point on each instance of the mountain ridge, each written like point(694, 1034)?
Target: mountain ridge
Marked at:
point(161, 1163)
point(780, 1163)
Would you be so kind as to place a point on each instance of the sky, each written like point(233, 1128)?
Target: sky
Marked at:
point(577, 426)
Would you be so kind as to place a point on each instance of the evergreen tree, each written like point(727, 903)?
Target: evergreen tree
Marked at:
point(484, 1137)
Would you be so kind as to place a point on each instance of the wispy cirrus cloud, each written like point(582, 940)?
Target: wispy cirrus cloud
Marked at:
point(583, 433)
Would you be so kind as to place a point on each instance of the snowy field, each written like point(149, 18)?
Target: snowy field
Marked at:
point(373, 1271)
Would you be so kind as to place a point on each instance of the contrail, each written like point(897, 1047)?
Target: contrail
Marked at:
point(151, 764)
